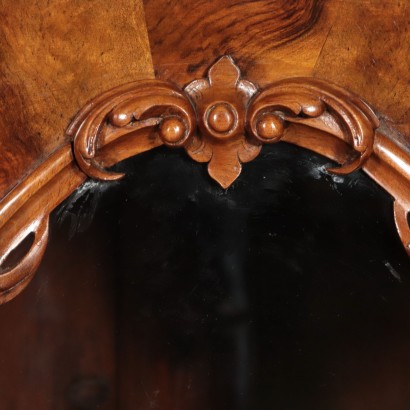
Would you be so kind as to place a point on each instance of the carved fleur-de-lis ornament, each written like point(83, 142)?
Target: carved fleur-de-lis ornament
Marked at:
point(221, 101)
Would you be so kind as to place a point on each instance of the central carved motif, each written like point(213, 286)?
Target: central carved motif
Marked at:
point(221, 101)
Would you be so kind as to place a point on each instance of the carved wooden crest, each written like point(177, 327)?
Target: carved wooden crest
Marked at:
point(222, 120)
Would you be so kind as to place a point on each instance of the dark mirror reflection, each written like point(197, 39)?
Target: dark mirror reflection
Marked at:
point(288, 291)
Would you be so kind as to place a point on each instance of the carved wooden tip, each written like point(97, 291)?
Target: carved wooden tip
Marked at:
point(172, 130)
point(269, 128)
point(120, 119)
point(402, 224)
point(224, 72)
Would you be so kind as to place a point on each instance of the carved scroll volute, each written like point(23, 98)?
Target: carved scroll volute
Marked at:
point(155, 111)
point(319, 105)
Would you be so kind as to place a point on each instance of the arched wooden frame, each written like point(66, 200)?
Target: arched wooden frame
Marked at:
point(222, 120)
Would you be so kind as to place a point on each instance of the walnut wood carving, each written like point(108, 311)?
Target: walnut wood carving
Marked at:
point(223, 121)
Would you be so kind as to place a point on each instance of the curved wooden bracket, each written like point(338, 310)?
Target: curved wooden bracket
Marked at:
point(222, 120)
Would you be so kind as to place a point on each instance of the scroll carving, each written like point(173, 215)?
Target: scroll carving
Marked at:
point(159, 108)
point(222, 120)
point(318, 105)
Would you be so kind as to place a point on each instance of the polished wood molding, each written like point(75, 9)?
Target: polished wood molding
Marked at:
point(222, 120)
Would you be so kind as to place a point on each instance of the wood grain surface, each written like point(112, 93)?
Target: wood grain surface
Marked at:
point(360, 45)
point(54, 56)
